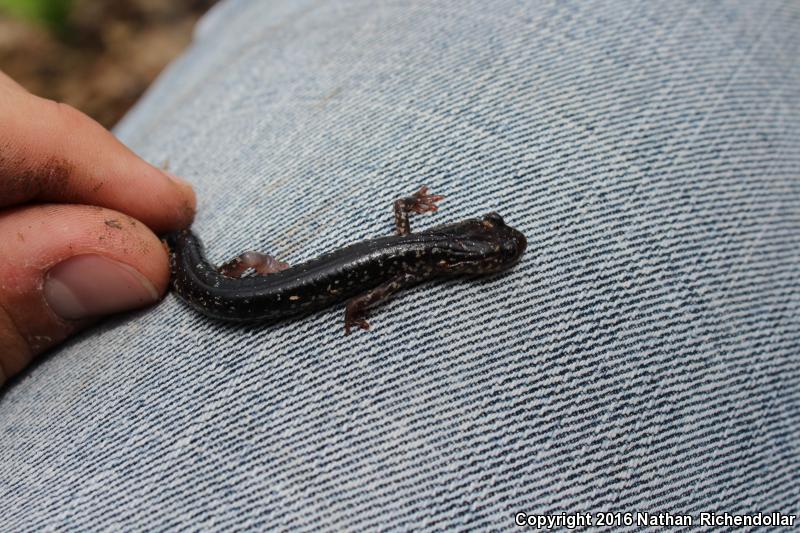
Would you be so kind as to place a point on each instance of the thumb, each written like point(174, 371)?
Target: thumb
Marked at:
point(63, 266)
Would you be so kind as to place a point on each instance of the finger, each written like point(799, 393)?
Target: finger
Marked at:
point(50, 152)
point(62, 266)
point(5, 81)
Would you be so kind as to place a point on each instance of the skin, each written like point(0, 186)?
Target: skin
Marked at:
point(69, 188)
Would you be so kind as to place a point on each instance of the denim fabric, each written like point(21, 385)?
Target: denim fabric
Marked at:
point(644, 356)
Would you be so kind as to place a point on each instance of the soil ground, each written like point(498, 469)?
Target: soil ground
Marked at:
point(105, 54)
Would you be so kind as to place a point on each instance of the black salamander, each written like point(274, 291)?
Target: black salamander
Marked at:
point(364, 274)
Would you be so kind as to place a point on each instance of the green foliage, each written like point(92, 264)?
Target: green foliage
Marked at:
point(52, 13)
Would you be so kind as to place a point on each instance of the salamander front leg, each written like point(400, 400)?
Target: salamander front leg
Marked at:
point(419, 202)
point(262, 263)
point(356, 311)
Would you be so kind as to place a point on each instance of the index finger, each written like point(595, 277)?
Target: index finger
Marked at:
point(50, 152)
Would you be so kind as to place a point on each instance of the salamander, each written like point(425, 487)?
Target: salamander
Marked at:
point(362, 274)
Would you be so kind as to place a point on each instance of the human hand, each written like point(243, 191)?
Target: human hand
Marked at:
point(78, 212)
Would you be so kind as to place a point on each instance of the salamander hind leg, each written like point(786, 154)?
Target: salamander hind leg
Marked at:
point(263, 264)
point(356, 311)
point(419, 202)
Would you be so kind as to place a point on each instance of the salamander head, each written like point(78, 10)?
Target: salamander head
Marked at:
point(484, 245)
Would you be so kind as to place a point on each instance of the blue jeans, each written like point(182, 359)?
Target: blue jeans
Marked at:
point(642, 357)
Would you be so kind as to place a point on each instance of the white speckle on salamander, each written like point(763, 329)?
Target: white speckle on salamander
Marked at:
point(294, 297)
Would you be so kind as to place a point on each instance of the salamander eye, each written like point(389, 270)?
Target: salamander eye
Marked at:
point(494, 217)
